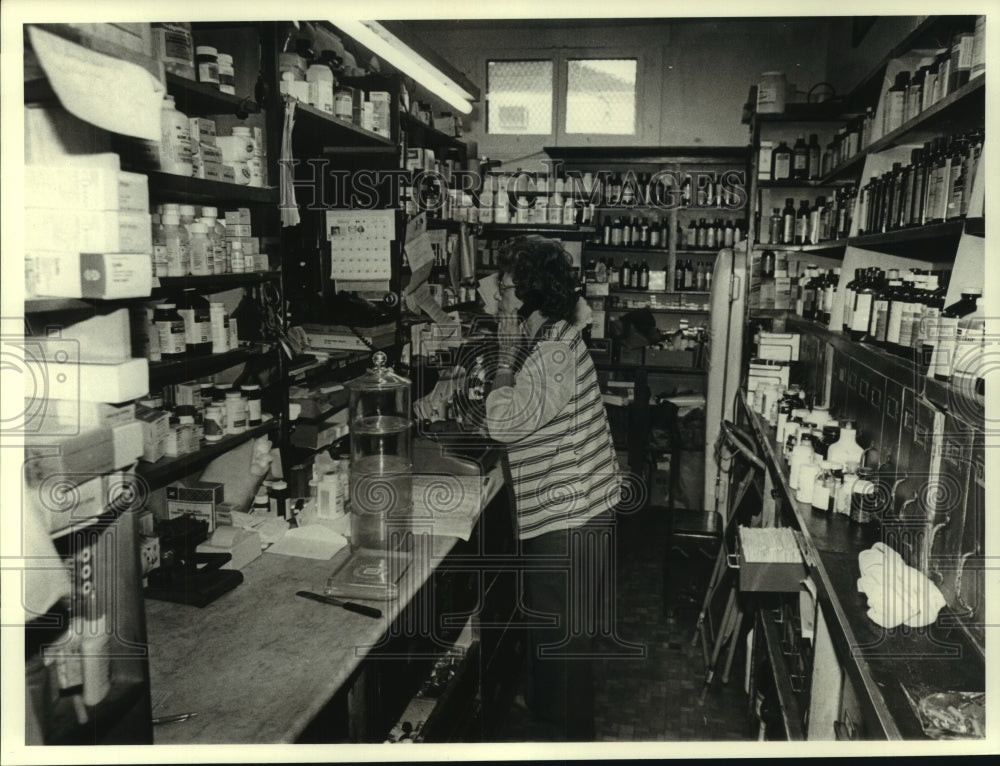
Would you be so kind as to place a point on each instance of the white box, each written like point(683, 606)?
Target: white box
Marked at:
point(88, 275)
point(778, 346)
point(127, 441)
point(87, 231)
point(239, 215)
point(202, 130)
point(79, 187)
point(97, 382)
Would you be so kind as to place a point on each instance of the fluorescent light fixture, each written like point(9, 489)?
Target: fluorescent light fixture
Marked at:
point(386, 45)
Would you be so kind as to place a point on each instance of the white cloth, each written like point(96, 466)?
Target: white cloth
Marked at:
point(897, 593)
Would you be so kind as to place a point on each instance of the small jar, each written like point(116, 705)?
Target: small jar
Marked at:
point(236, 412)
point(186, 438)
point(207, 61)
point(214, 423)
point(251, 392)
point(227, 75)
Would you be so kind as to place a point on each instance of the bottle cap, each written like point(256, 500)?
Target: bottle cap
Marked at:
point(187, 210)
point(209, 212)
point(170, 218)
point(225, 58)
point(165, 306)
point(206, 50)
point(279, 486)
point(848, 424)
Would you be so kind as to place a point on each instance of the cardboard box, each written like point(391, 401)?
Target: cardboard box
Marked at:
point(81, 187)
point(155, 426)
point(202, 131)
point(211, 171)
point(228, 174)
point(67, 274)
point(96, 381)
point(87, 231)
point(198, 498)
point(237, 230)
point(127, 443)
point(240, 215)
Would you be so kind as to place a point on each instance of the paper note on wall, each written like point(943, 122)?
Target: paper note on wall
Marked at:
point(105, 91)
point(421, 257)
point(360, 243)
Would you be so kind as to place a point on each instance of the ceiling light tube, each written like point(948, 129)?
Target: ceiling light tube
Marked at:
point(385, 45)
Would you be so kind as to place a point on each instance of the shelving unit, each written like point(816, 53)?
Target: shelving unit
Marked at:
point(166, 470)
point(193, 367)
point(922, 432)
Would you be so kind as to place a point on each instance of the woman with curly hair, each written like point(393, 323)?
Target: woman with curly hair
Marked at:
point(546, 406)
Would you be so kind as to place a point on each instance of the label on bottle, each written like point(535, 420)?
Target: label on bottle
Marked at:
point(782, 166)
point(943, 334)
point(172, 336)
point(801, 228)
point(894, 321)
point(880, 319)
point(788, 229)
point(862, 312)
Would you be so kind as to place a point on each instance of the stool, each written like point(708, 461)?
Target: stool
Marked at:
point(694, 538)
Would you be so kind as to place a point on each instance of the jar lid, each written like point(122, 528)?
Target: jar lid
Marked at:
point(209, 212)
point(380, 377)
point(186, 210)
point(165, 306)
point(261, 496)
point(185, 420)
point(225, 58)
point(206, 50)
point(249, 387)
point(279, 486)
point(170, 218)
point(234, 395)
point(241, 130)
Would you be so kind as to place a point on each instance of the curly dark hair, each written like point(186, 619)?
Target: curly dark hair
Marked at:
point(543, 277)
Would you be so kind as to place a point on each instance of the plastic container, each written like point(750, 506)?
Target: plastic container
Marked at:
point(227, 75)
point(200, 249)
point(206, 60)
point(252, 393)
point(236, 412)
point(381, 470)
point(214, 423)
point(846, 449)
point(176, 151)
point(320, 80)
point(343, 104)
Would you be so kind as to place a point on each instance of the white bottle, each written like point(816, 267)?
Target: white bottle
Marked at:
point(846, 449)
point(216, 233)
point(175, 140)
point(237, 258)
point(176, 245)
point(213, 245)
point(200, 248)
point(320, 79)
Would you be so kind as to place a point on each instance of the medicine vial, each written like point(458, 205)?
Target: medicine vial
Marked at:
point(252, 394)
point(207, 61)
point(170, 327)
point(236, 412)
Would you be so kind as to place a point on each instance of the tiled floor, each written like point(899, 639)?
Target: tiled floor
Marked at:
point(657, 697)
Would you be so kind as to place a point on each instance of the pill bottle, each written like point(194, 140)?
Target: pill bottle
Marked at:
point(227, 75)
point(207, 60)
point(236, 412)
point(251, 392)
point(170, 327)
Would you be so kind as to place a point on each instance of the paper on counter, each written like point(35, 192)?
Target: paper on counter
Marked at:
point(312, 542)
point(112, 94)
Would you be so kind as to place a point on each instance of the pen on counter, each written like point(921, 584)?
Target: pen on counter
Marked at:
point(173, 718)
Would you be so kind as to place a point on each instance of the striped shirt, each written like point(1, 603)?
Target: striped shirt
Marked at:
point(562, 458)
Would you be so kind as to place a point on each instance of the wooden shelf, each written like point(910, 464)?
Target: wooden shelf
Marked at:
point(627, 250)
point(168, 469)
point(214, 283)
point(830, 111)
point(175, 188)
point(661, 309)
point(845, 171)
point(320, 128)
point(192, 367)
point(195, 98)
point(431, 136)
point(830, 246)
point(933, 242)
point(511, 229)
point(788, 183)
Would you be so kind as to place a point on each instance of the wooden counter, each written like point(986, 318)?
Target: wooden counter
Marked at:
point(258, 664)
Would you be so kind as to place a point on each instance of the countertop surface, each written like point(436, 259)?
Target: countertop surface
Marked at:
point(258, 664)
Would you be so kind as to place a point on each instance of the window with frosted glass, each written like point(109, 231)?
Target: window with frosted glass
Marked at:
point(519, 97)
point(600, 96)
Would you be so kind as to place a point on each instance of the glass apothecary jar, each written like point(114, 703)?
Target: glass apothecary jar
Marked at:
point(381, 469)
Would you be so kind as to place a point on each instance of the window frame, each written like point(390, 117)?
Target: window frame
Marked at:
point(512, 143)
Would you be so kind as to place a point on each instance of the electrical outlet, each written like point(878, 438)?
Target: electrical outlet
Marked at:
point(149, 553)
